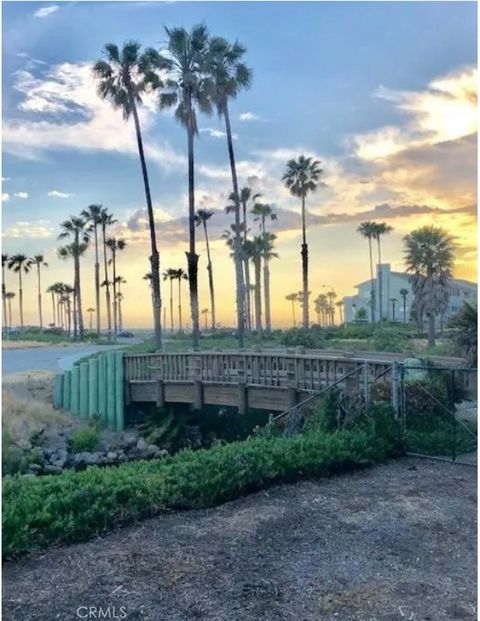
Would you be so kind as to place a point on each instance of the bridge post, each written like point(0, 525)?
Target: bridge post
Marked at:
point(242, 398)
point(198, 395)
point(160, 394)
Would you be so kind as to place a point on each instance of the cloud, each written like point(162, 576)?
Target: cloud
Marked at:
point(5, 196)
point(41, 229)
point(46, 10)
point(65, 112)
point(6, 179)
point(21, 194)
point(248, 116)
point(58, 194)
point(216, 133)
point(446, 110)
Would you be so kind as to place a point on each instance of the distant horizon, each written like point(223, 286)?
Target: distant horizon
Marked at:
point(395, 132)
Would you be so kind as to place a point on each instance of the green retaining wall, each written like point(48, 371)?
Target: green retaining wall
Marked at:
point(94, 388)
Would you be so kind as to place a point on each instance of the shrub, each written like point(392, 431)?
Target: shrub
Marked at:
point(389, 339)
point(77, 505)
point(85, 439)
point(312, 338)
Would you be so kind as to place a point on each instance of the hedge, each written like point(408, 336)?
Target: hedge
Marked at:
point(75, 506)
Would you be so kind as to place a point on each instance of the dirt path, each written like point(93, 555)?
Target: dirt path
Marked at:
point(394, 542)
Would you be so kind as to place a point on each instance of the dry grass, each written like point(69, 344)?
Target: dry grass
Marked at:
point(23, 344)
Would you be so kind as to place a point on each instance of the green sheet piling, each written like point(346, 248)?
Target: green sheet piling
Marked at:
point(110, 383)
point(67, 389)
point(102, 387)
point(119, 392)
point(75, 391)
point(58, 391)
point(93, 387)
point(83, 400)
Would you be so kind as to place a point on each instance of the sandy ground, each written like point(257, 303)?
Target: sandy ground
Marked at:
point(24, 344)
point(391, 543)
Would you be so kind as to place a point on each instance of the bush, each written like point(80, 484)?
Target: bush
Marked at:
point(312, 338)
point(85, 439)
point(389, 339)
point(77, 505)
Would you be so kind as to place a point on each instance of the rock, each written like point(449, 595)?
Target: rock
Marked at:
point(24, 445)
point(50, 469)
point(61, 458)
point(141, 444)
point(34, 468)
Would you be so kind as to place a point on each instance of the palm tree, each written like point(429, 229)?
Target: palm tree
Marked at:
point(67, 292)
point(268, 240)
point(20, 263)
point(76, 230)
point(302, 177)
point(90, 311)
point(255, 249)
point(246, 197)
point(94, 215)
point(187, 90)
point(321, 307)
point(170, 275)
point(292, 297)
point(180, 275)
point(120, 281)
point(205, 315)
point(429, 258)
point(404, 293)
point(9, 295)
point(115, 245)
point(393, 301)
point(201, 218)
point(261, 212)
point(368, 230)
point(339, 305)
point(465, 324)
point(51, 290)
point(229, 76)
point(106, 219)
point(380, 228)
point(123, 78)
point(39, 261)
point(4, 289)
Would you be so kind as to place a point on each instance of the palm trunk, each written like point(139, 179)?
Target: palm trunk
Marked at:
point(20, 295)
point(393, 312)
point(304, 254)
point(107, 283)
point(192, 256)
point(53, 306)
point(431, 330)
point(171, 305)
point(180, 305)
point(247, 271)
point(69, 318)
point(266, 285)
point(380, 282)
point(372, 286)
point(210, 277)
point(81, 331)
point(258, 295)
point(97, 278)
point(75, 314)
point(404, 310)
point(4, 299)
point(154, 257)
point(120, 318)
point(39, 298)
point(114, 281)
point(10, 312)
point(293, 313)
point(240, 298)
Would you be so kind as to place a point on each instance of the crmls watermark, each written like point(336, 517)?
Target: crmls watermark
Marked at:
point(102, 612)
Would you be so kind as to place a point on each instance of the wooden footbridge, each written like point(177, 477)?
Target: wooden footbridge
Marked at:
point(273, 381)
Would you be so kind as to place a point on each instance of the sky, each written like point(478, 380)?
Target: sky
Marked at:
point(382, 94)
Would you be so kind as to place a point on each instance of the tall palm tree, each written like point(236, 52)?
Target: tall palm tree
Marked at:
point(380, 228)
point(331, 295)
point(368, 229)
point(4, 289)
point(20, 264)
point(255, 249)
point(302, 177)
point(429, 253)
point(123, 78)
point(404, 294)
point(205, 315)
point(170, 275)
point(186, 90)
point(76, 229)
point(321, 308)
point(90, 311)
point(39, 261)
point(230, 75)
point(94, 215)
point(261, 213)
point(268, 241)
point(106, 220)
point(72, 251)
point(9, 295)
point(201, 218)
point(120, 280)
point(292, 297)
point(339, 305)
point(51, 290)
point(115, 245)
point(67, 292)
point(180, 275)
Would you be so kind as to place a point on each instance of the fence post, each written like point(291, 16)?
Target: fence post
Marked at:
point(67, 389)
point(83, 398)
point(366, 385)
point(119, 393)
point(75, 393)
point(111, 389)
point(395, 386)
point(92, 387)
point(58, 391)
point(102, 387)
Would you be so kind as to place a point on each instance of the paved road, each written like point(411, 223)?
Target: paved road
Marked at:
point(54, 358)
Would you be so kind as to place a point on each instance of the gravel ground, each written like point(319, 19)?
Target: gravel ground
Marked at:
point(391, 543)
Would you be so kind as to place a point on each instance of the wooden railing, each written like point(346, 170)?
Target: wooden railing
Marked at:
point(302, 371)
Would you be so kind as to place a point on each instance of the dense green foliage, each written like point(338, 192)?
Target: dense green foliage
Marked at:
point(85, 439)
point(77, 505)
point(437, 434)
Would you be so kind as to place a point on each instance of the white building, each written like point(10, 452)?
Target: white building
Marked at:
point(392, 300)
